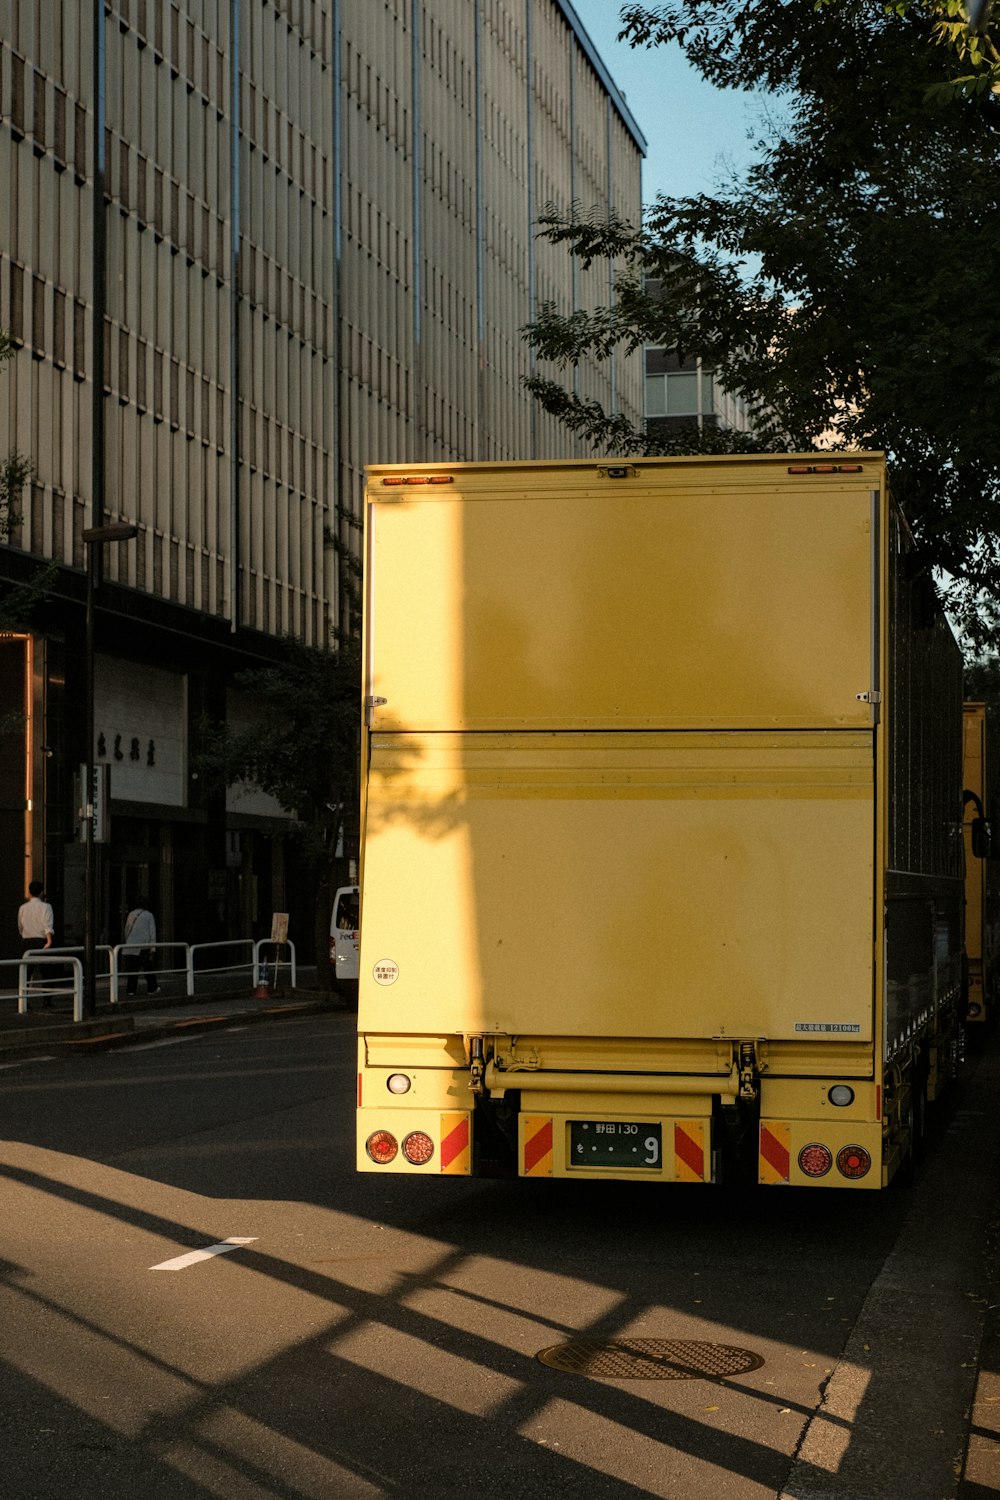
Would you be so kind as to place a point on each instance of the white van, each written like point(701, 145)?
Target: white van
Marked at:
point(345, 940)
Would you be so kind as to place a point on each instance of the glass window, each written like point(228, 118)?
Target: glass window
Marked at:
point(682, 395)
point(656, 396)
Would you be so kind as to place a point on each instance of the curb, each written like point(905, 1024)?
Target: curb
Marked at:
point(84, 1038)
point(44, 1040)
point(107, 1041)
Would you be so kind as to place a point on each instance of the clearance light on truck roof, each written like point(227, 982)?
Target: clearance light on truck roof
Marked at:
point(826, 468)
point(815, 1160)
point(397, 479)
point(853, 1162)
point(381, 1147)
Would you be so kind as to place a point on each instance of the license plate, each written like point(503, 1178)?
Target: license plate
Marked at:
point(600, 1143)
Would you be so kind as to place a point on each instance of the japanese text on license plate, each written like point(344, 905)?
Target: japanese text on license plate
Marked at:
point(614, 1143)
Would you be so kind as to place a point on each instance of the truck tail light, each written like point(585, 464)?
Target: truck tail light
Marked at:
point(825, 468)
point(815, 1160)
point(381, 1147)
point(418, 1148)
point(398, 479)
point(853, 1162)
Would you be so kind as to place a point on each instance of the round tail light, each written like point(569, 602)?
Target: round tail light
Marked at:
point(381, 1146)
point(853, 1161)
point(418, 1148)
point(815, 1160)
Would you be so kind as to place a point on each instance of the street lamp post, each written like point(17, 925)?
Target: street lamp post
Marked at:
point(94, 538)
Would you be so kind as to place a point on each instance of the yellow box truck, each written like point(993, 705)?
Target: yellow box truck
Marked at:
point(982, 875)
point(662, 854)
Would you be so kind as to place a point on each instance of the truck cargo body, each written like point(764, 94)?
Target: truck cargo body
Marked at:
point(661, 830)
point(982, 871)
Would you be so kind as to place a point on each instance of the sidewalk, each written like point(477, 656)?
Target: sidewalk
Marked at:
point(47, 1031)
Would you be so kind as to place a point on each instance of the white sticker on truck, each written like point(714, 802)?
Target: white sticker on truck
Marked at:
point(851, 1028)
point(385, 971)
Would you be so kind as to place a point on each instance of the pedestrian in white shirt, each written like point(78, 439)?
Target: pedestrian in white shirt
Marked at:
point(140, 935)
point(36, 927)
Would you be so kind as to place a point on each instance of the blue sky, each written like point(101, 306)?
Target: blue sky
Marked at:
point(693, 130)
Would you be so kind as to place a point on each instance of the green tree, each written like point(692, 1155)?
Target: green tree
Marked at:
point(982, 683)
point(846, 285)
point(973, 44)
point(302, 750)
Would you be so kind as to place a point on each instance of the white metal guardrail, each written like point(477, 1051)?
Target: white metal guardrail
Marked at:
point(202, 960)
point(266, 971)
point(119, 971)
point(197, 965)
point(62, 982)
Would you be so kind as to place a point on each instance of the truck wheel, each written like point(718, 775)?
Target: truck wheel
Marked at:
point(918, 1117)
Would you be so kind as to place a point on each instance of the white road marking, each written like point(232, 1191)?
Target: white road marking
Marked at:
point(175, 1041)
point(166, 1041)
point(181, 1262)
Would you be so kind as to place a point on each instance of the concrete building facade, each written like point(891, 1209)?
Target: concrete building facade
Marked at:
point(250, 246)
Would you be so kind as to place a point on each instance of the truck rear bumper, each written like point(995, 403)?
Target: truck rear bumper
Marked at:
point(623, 1146)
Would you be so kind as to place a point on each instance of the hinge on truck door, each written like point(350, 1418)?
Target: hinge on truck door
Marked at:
point(751, 1063)
point(477, 1064)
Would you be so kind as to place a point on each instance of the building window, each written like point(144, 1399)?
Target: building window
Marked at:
point(123, 363)
point(38, 127)
point(79, 340)
point(38, 317)
point(140, 374)
point(59, 328)
point(175, 394)
point(59, 128)
point(79, 143)
point(676, 394)
point(15, 322)
point(17, 96)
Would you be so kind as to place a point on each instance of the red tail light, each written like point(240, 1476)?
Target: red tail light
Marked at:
point(815, 1160)
point(381, 1147)
point(853, 1162)
point(418, 1148)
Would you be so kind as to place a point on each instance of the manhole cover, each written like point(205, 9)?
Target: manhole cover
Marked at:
point(650, 1359)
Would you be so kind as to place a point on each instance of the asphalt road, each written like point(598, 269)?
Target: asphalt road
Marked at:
point(376, 1336)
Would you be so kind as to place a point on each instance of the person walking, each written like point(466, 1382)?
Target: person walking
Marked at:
point(140, 930)
point(36, 927)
